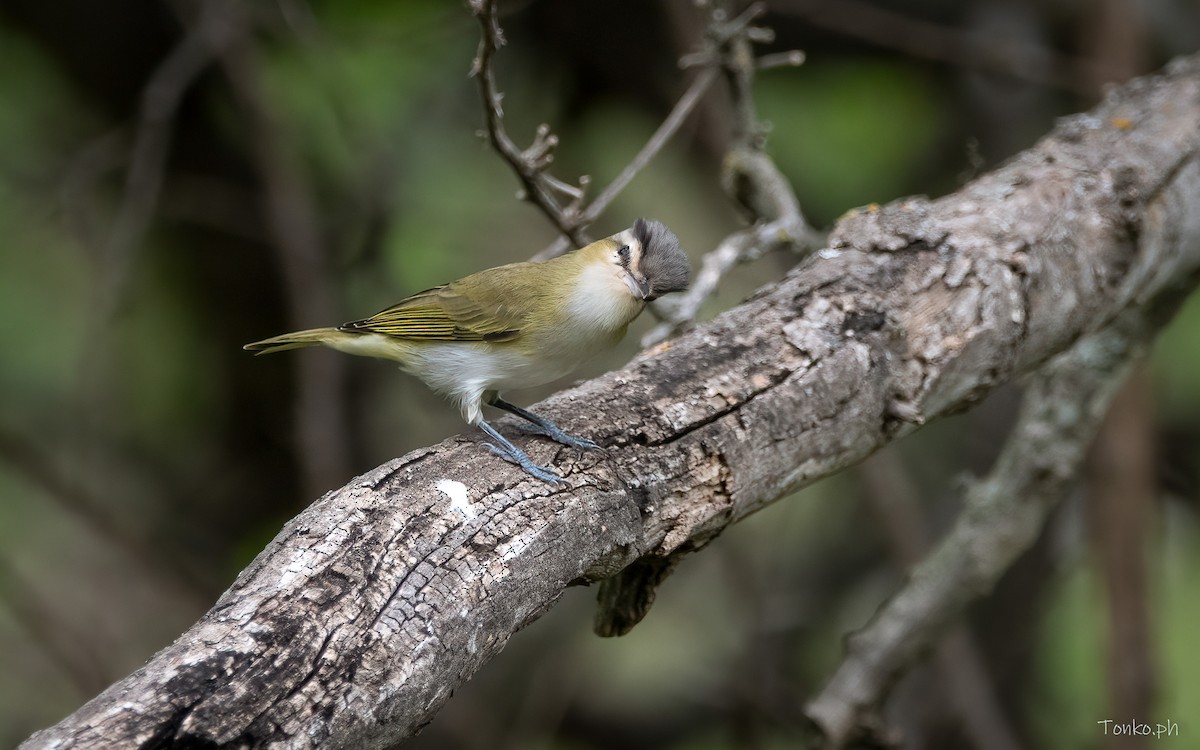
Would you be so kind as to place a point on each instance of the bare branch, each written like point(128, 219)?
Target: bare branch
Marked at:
point(530, 164)
point(962, 670)
point(366, 612)
point(1001, 518)
point(740, 247)
point(749, 176)
point(667, 130)
point(792, 59)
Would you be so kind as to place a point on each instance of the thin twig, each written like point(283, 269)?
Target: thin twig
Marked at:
point(667, 130)
point(530, 164)
point(749, 176)
point(740, 247)
point(679, 113)
point(736, 52)
point(791, 59)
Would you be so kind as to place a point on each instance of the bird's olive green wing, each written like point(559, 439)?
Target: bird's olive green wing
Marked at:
point(476, 308)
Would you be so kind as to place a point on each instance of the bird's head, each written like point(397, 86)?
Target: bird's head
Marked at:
point(648, 259)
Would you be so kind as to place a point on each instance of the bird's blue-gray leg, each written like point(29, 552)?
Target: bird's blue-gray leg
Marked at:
point(515, 455)
point(544, 426)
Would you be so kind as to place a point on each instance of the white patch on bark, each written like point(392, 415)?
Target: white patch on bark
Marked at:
point(457, 492)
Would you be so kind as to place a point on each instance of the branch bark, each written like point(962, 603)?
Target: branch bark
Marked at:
point(360, 618)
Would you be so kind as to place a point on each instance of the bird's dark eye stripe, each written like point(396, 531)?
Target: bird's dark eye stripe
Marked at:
point(624, 253)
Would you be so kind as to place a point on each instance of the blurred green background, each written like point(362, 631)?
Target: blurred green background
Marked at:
point(162, 204)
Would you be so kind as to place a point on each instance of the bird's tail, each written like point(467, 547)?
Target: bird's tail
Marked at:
point(296, 340)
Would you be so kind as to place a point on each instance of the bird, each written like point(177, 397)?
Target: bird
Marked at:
point(515, 326)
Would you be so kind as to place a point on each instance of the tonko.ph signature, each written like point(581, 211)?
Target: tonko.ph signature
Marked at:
point(1158, 730)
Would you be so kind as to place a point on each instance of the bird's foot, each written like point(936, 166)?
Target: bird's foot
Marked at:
point(520, 458)
point(514, 455)
point(555, 433)
point(543, 426)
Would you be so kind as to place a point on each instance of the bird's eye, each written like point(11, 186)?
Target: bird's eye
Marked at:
point(624, 253)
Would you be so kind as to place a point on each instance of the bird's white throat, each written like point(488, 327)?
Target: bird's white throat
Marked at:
point(601, 300)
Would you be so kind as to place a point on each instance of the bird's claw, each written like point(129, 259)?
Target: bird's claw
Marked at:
point(543, 426)
point(539, 472)
point(575, 442)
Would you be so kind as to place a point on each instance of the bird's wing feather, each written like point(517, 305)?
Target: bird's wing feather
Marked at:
point(471, 309)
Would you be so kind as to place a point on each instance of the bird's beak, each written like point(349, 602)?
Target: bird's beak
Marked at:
point(639, 288)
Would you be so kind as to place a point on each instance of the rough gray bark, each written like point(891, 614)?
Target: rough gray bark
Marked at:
point(355, 624)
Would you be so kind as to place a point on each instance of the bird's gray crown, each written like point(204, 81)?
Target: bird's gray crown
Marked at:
point(663, 262)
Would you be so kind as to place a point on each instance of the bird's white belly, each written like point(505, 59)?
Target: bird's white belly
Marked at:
point(464, 371)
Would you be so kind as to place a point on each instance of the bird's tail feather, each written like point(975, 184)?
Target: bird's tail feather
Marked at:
point(296, 340)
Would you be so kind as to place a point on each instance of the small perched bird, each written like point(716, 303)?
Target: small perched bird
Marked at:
point(515, 326)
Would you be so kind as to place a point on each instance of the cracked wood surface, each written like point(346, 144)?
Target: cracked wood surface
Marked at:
point(360, 618)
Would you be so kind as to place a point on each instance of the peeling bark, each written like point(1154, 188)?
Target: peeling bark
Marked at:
point(358, 620)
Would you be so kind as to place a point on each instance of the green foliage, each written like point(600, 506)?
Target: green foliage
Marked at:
point(1175, 363)
point(355, 89)
point(43, 278)
point(1068, 697)
point(1069, 693)
point(850, 132)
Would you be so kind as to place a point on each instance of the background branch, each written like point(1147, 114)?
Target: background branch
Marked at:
point(1121, 514)
point(321, 414)
point(962, 671)
point(725, 48)
point(974, 49)
point(160, 102)
point(1002, 516)
point(529, 164)
point(749, 177)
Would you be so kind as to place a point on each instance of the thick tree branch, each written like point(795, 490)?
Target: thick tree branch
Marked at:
point(358, 621)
